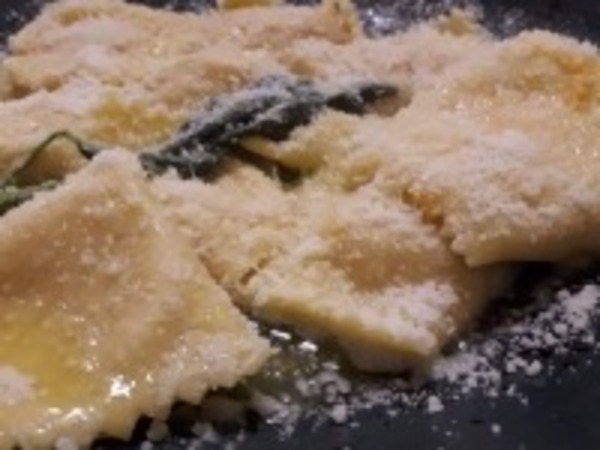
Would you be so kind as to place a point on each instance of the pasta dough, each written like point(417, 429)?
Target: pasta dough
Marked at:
point(499, 153)
point(127, 75)
point(412, 60)
point(502, 154)
point(181, 58)
point(236, 225)
point(106, 313)
point(364, 270)
point(355, 266)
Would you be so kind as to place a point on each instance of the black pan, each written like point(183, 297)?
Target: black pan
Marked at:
point(563, 410)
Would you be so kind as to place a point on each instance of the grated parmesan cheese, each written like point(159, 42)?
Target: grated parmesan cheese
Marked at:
point(391, 190)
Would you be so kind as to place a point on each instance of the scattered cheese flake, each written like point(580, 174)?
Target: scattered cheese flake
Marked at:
point(434, 404)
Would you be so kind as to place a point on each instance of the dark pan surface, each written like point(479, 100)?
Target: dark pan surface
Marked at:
point(563, 410)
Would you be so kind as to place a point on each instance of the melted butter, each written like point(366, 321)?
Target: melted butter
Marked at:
point(71, 383)
point(44, 347)
point(57, 352)
point(75, 377)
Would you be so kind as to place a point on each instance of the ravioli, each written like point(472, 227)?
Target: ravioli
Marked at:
point(179, 58)
point(236, 225)
point(502, 154)
point(106, 312)
point(126, 75)
point(336, 151)
point(34, 118)
point(93, 112)
point(499, 153)
point(411, 60)
point(357, 267)
point(364, 270)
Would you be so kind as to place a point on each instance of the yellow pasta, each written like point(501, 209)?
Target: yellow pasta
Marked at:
point(106, 313)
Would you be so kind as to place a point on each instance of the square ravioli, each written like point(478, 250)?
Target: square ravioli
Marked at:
point(87, 109)
point(106, 314)
point(503, 153)
point(126, 75)
point(179, 58)
point(359, 267)
point(364, 270)
point(236, 225)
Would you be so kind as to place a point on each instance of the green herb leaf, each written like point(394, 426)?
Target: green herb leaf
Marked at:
point(272, 108)
point(12, 196)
